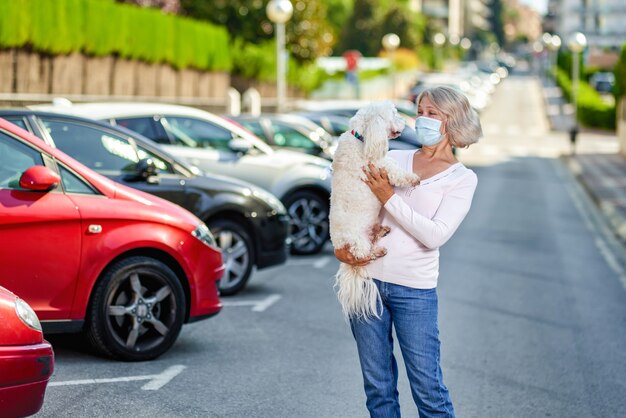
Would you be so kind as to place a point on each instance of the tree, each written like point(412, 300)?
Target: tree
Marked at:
point(358, 32)
point(496, 21)
point(407, 25)
point(309, 34)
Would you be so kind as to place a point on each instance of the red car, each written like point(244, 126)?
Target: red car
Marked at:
point(88, 254)
point(26, 359)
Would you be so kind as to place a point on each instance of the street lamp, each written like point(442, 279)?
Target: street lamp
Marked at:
point(391, 42)
point(279, 12)
point(576, 43)
point(466, 44)
point(439, 39)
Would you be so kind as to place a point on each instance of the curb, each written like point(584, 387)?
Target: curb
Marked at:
point(616, 222)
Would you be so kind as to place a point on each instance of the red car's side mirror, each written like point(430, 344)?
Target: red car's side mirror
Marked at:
point(39, 178)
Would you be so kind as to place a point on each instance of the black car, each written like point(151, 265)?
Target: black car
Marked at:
point(250, 225)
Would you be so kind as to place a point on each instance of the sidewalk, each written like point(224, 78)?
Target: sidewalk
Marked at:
point(596, 161)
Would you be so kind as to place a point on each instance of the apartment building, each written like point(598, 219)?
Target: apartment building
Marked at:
point(602, 21)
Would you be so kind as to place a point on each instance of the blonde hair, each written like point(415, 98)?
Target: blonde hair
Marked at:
point(463, 124)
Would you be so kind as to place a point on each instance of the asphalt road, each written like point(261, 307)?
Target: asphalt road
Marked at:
point(532, 313)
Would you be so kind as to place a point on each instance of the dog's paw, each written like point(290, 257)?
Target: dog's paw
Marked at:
point(415, 181)
point(378, 231)
point(379, 252)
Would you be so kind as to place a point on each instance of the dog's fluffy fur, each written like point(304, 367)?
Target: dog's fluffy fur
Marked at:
point(354, 209)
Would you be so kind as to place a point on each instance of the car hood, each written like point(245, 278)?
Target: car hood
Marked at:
point(285, 160)
point(217, 183)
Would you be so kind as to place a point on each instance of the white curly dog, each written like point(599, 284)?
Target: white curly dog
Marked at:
point(354, 209)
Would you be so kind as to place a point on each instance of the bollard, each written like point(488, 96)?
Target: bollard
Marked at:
point(573, 132)
point(233, 102)
point(252, 101)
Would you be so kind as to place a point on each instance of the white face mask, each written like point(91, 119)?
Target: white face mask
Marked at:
point(428, 131)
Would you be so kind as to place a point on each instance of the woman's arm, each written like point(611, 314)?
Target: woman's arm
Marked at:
point(435, 232)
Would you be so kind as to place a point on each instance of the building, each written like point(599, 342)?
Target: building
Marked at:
point(602, 21)
point(457, 18)
point(521, 21)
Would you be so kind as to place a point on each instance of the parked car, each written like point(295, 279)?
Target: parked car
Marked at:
point(26, 359)
point(347, 108)
point(249, 224)
point(602, 82)
point(292, 132)
point(335, 125)
point(88, 254)
point(215, 144)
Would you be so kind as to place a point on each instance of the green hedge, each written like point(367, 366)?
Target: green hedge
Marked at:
point(103, 27)
point(592, 110)
point(259, 62)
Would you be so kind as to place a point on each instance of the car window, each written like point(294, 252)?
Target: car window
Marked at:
point(144, 126)
point(17, 120)
point(161, 165)
point(202, 133)
point(74, 184)
point(98, 149)
point(254, 127)
point(15, 158)
point(287, 136)
point(339, 127)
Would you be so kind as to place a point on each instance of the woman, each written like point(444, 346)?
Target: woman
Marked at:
point(421, 219)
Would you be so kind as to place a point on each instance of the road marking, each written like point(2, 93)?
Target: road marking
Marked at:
point(164, 378)
point(156, 381)
point(257, 305)
point(263, 305)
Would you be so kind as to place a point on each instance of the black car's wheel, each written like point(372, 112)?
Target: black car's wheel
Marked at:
point(137, 310)
point(237, 251)
point(309, 222)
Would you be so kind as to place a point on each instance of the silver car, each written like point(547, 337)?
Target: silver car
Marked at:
point(217, 145)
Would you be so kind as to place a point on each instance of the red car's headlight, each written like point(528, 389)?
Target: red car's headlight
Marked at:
point(27, 315)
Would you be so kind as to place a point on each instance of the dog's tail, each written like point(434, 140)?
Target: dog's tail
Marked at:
point(357, 293)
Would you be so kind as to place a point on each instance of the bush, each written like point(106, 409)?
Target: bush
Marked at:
point(103, 27)
point(592, 110)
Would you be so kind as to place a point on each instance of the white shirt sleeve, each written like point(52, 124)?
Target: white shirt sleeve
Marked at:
point(435, 232)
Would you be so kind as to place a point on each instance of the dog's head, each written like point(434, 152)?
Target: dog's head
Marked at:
point(377, 123)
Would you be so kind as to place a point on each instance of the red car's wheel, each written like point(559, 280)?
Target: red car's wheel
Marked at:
point(137, 310)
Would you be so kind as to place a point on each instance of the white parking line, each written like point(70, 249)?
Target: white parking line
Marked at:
point(157, 381)
point(263, 305)
point(164, 378)
point(257, 305)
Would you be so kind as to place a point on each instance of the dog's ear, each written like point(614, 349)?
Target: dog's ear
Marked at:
point(375, 134)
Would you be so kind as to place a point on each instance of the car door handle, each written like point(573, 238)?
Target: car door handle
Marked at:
point(95, 229)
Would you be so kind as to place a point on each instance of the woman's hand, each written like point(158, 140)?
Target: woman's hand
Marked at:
point(345, 256)
point(378, 182)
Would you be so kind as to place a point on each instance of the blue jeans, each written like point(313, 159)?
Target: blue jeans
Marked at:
point(413, 314)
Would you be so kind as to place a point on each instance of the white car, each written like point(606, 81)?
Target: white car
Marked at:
point(217, 145)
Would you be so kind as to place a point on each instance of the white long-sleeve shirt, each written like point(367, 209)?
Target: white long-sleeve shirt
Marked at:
point(421, 219)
